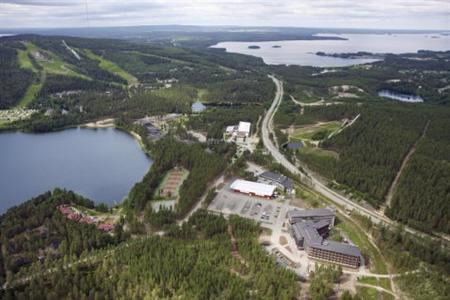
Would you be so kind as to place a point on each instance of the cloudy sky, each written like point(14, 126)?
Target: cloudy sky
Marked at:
point(395, 14)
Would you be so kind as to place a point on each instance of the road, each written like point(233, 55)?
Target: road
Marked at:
point(315, 184)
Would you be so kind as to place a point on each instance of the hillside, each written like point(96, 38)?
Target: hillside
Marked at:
point(73, 80)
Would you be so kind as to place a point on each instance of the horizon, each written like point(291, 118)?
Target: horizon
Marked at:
point(219, 27)
point(343, 14)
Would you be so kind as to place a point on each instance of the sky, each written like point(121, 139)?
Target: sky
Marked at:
point(374, 14)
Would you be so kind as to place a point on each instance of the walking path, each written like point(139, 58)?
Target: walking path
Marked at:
point(405, 161)
point(378, 288)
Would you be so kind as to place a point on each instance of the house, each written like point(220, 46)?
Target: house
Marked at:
point(106, 227)
point(277, 179)
point(253, 188)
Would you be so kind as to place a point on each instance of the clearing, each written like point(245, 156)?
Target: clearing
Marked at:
point(171, 183)
point(111, 67)
point(314, 132)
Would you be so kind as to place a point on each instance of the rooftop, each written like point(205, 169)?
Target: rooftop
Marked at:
point(253, 187)
point(308, 213)
point(283, 180)
point(244, 127)
point(307, 230)
point(295, 145)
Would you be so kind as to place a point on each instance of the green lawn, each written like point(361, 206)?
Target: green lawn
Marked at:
point(109, 66)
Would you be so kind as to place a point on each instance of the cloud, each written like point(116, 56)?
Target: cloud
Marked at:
point(41, 3)
point(403, 14)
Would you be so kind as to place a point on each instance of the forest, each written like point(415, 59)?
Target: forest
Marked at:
point(370, 152)
point(203, 168)
point(422, 199)
point(35, 230)
point(14, 79)
point(174, 266)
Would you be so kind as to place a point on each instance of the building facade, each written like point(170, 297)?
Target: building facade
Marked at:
point(310, 235)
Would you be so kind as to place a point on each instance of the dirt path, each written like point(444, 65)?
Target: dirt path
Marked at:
point(234, 247)
point(378, 288)
point(392, 188)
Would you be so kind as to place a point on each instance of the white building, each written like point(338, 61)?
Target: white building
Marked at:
point(253, 188)
point(241, 130)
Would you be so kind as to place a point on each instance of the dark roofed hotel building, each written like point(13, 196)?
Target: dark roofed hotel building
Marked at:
point(309, 234)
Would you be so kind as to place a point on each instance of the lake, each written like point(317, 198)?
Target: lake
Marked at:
point(101, 164)
point(302, 52)
point(400, 96)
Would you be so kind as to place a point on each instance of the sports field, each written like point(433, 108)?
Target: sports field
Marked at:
point(170, 185)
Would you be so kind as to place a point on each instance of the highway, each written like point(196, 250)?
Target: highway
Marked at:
point(315, 184)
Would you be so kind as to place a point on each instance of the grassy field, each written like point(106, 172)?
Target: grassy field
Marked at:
point(201, 93)
point(50, 62)
point(359, 238)
point(24, 60)
point(112, 67)
point(312, 132)
point(183, 93)
point(30, 94)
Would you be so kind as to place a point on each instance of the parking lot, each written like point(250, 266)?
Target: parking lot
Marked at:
point(227, 202)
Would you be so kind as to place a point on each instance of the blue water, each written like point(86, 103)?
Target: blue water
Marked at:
point(303, 52)
point(198, 107)
point(101, 164)
point(399, 96)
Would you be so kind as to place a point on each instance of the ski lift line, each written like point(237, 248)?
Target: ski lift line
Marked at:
point(87, 13)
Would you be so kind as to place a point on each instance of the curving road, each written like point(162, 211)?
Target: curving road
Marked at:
point(267, 129)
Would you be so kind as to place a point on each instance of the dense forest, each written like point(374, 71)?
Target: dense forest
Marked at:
point(14, 79)
point(422, 198)
point(194, 261)
point(36, 230)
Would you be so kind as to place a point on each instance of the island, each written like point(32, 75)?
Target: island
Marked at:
point(276, 46)
point(254, 47)
point(353, 55)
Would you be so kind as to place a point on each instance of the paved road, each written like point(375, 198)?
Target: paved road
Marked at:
point(267, 129)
